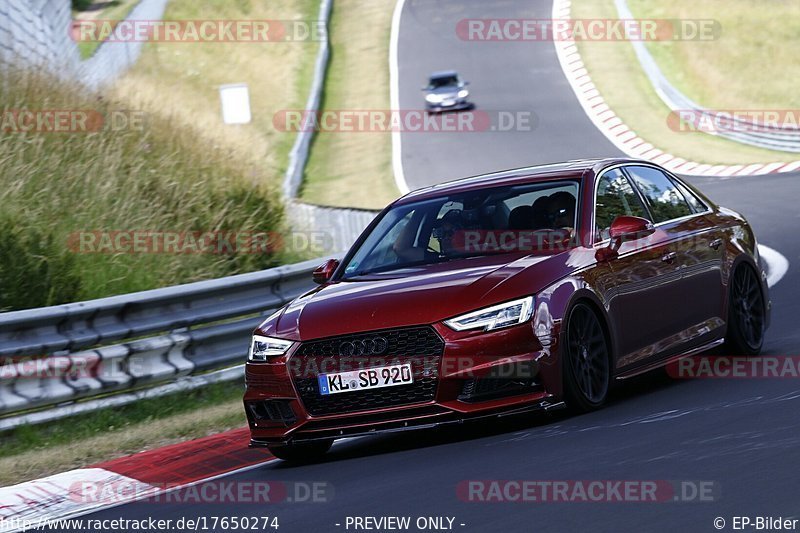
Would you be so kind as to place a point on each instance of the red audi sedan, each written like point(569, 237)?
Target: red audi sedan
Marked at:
point(528, 289)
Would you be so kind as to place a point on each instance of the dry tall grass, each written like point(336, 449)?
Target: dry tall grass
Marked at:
point(162, 177)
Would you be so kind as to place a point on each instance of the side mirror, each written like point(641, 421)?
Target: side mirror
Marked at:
point(325, 271)
point(464, 83)
point(625, 229)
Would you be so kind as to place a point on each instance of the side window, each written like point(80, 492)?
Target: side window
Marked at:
point(615, 197)
point(665, 200)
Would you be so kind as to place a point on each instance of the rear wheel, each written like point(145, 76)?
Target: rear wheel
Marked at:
point(302, 452)
point(586, 360)
point(746, 313)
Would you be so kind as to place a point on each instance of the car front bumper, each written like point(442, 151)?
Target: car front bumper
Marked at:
point(477, 375)
point(407, 422)
point(458, 105)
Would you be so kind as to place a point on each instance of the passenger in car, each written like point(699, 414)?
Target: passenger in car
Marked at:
point(562, 211)
point(521, 218)
point(541, 209)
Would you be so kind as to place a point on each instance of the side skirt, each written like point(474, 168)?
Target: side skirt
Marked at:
point(664, 362)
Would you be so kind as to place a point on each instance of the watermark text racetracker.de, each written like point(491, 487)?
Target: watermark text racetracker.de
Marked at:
point(20, 121)
point(77, 369)
point(594, 29)
point(587, 491)
point(403, 120)
point(199, 31)
point(717, 121)
point(736, 367)
point(213, 492)
point(196, 242)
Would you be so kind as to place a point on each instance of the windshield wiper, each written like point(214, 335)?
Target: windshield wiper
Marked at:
point(439, 260)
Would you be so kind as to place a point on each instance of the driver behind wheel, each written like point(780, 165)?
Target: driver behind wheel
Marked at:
point(445, 229)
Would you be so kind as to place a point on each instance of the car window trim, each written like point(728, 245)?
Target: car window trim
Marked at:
point(623, 166)
point(633, 187)
point(636, 190)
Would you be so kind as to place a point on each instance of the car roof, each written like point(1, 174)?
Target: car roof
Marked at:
point(575, 169)
point(444, 74)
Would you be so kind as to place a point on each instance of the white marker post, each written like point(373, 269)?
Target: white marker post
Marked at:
point(235, 100)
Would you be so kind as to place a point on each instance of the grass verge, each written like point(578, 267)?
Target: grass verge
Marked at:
point(621, 81)
point(31, 452)
point(355, 169)
point(752, 65)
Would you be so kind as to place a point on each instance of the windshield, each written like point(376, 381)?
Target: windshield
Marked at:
point(443, 81)
point(525, 219)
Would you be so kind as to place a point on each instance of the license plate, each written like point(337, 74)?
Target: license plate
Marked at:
point(367, 378)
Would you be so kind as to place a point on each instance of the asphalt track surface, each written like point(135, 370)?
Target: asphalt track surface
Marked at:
point(742, 435)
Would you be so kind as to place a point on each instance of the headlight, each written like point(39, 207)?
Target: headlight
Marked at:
point(463, 93)
point(497, 316)
point(433, 98)
point(263, 348)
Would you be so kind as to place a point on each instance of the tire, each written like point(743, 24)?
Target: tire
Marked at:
point(746, 313)
point(303, 452)
point(586, 361)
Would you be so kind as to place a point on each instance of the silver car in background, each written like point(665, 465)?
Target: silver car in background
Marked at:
point(446, 91)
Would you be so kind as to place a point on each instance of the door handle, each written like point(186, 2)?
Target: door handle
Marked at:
point(669, 257)
point(715, 244)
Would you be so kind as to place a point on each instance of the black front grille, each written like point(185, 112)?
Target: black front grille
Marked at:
point(419, 346)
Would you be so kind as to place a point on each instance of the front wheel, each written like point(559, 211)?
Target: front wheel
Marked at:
point(302, 452)
point(586, 360)
point(746, 313)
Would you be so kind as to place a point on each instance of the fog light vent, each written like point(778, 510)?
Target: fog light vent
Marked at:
point(273, 410)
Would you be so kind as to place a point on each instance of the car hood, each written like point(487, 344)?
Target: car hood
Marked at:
point(420, 295)
point(449, 91)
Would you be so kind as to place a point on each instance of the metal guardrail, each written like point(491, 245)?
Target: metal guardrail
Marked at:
point(298, 156)
point(743, 131)
point(127, 343)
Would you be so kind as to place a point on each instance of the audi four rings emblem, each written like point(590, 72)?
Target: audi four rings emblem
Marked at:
point(371, 346)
